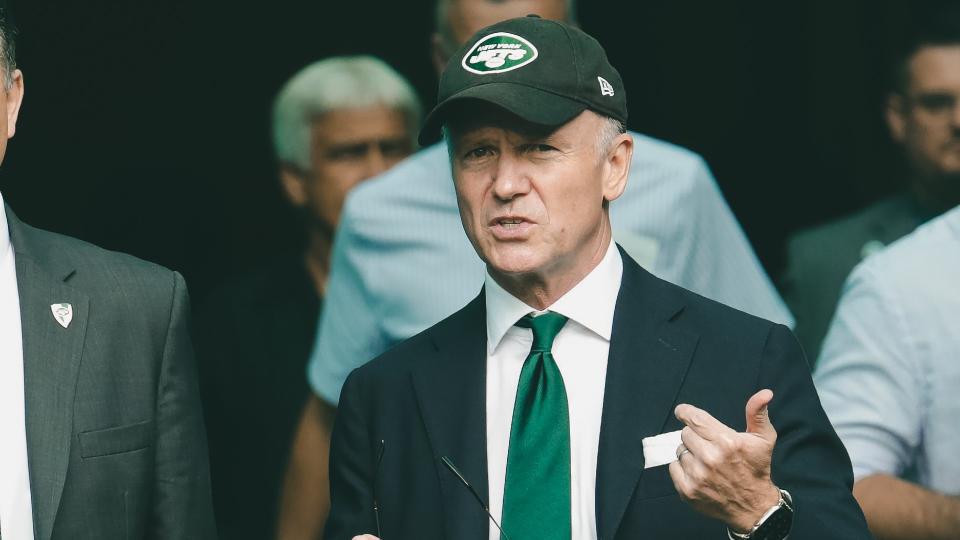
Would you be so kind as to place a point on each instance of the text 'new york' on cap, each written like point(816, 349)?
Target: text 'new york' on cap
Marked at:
point(543, 71)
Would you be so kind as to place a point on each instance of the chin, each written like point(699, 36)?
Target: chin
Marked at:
point(514, 260)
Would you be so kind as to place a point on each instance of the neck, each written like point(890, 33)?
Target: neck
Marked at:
point(543, 288)
point(935, 194)
point(317, 257)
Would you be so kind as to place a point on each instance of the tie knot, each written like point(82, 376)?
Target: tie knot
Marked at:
point(545, 329)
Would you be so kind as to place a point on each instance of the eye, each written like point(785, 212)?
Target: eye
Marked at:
point(936, 102)
point(479, 152)
point(540, 148)
point(348, 152)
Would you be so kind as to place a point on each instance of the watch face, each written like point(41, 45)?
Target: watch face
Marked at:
point(777, 526)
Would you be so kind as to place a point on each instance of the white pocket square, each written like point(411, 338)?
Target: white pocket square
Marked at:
point(660, 449)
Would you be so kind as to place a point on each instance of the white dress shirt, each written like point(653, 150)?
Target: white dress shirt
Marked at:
point(580, 350)
point(16, 515)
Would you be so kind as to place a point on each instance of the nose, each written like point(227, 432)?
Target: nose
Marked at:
point(510, 180)
point(376, 162)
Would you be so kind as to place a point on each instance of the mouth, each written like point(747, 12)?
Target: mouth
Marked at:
point(510, 227)
point(508, 222)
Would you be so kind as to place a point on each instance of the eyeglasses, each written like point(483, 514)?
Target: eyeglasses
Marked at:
point(939, 104)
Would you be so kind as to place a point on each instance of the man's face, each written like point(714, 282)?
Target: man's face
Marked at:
point(347, 147)
point(10, 100)
point(467, 17)
point(533, 202)
point(927, 119)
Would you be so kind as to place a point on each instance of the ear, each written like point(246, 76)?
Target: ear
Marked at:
point(438, 53)
point(293, 182)
point(895, 112)
point(14, 98)
point(616, 166)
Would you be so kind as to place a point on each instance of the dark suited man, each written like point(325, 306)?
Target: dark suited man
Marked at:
point(101, 434)
point(562, 392)
point(921, 112)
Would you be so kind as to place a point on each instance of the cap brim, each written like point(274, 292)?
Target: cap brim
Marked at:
point(531, 104)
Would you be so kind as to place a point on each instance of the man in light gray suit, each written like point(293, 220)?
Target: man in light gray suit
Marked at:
point(101, 435)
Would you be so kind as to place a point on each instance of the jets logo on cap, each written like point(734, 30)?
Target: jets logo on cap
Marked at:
point(499, 52)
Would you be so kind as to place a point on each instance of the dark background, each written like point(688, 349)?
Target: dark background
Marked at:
point(145, 124)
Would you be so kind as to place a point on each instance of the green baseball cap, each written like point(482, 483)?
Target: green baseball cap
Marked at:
point(543, 71)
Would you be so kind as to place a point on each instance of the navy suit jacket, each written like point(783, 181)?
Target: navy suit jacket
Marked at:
point(426, 399)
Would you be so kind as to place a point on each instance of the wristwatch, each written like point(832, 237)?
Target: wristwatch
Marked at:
point(774, 524)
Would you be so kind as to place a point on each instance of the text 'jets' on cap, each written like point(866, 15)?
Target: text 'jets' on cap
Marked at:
point(543, 71)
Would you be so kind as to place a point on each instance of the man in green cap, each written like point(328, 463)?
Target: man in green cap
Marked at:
point(401, 262)
point(558, 403)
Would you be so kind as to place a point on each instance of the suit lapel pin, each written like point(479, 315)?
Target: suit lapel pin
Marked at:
point(63, 313)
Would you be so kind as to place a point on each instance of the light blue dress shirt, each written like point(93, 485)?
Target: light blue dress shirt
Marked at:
point(402, 262)
point(889, 372)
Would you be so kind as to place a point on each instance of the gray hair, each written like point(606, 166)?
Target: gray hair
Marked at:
point(8, 35)
point(335, 83)
point(441, 22)
point(610, 130)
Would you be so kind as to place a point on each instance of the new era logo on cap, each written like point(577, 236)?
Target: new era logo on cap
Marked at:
point(499, 52)
point(606, 89)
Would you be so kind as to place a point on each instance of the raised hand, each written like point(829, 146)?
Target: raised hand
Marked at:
point(725, 474)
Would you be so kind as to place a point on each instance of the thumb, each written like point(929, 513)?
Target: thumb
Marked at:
point(758, 418)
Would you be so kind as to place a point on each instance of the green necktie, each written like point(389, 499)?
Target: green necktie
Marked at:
point(536, 494)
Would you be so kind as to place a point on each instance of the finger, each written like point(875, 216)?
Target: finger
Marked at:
point(680, 481)
point(701, 421)
point(758, 415)
point(697, 445)
point(687, 474)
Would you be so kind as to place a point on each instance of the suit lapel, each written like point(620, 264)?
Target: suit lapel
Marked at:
point(451, 392)
point(646, 367)
point(51, 362)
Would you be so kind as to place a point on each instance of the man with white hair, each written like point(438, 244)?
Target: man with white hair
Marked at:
point(336, 123)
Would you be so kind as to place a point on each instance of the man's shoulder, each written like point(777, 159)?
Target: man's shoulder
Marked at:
point(709, 316)
point(693, 312)
point(665, 172)
point(95, 269)
point(919, 258)
point(852, 229)
point(658, 159)
point(648, 148)
point(402, 357)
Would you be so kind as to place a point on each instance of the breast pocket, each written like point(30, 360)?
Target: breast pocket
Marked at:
point(655, 482)
point(116, 440)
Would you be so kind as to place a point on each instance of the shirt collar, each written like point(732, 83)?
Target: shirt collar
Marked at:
point(590, 303)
